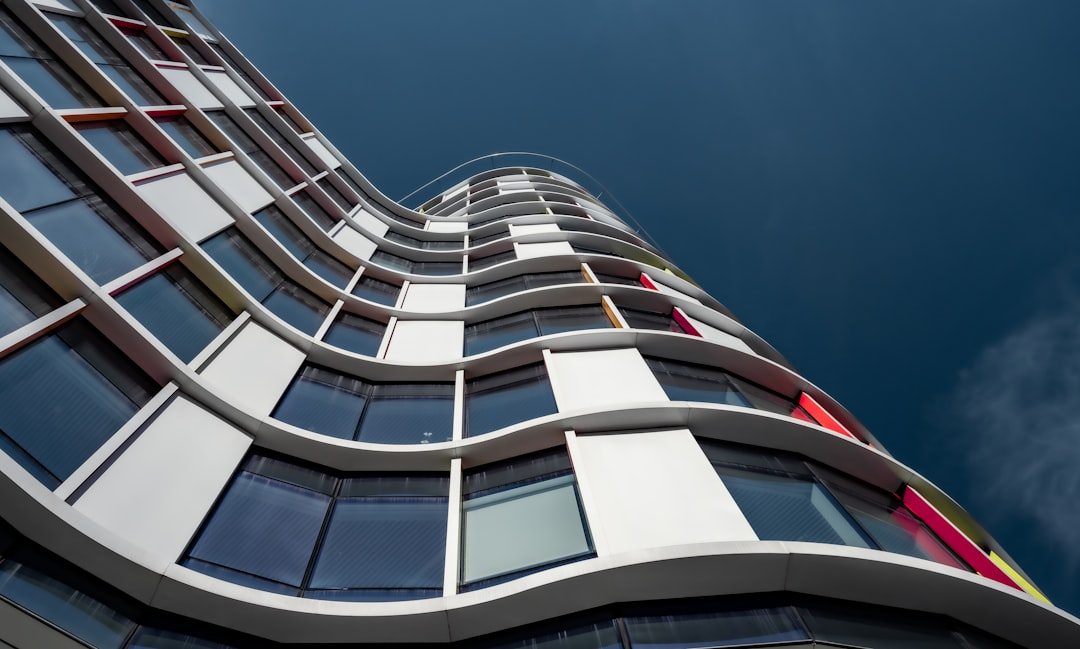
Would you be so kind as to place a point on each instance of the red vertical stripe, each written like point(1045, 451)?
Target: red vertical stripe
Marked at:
point(822, 416)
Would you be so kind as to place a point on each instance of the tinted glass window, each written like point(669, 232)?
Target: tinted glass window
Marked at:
point(687, 382)
point(245, 144)
point(715, 629)
point(639, 319)
point(243, 262)
point(146, 45)
point(298, 306)
point(356, 334)
point(186, 47)
point(375, 290)
point(481, 263)
point(498, 332)
point(280, 140)
point(34, 63)
point(23, 297)
point(499, 400)
point(184, 133)
point(120, 145)
point(335, 194)
point(312, 208)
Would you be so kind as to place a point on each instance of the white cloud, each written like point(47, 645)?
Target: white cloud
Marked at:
point(1019, 405)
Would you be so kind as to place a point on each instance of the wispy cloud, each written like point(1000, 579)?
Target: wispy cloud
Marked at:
point(1019, 405)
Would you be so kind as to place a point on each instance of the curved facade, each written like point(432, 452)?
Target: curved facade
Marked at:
point(246, 400)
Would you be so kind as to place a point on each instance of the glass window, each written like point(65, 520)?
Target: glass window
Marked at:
point(246, 145)
point(342, 406)
point(298, 306)
point(178, 309)
point(120, 145)
point(303, 248)
point(191, 21)
point(376, 290)
point(58, 200)
point(390, 260)
point(437, 268)
point(499, 400)
point(571, 318)
point(494, 290)
point(639, 319)
point(720, 629)
point(302, 531)
point(498, 332)
point(100, 389)
point(35, 65)
point(185, 134)
point(73, 611)
point(314, 211)
point(151, 12)
point(356, 334)
point(146, 45)
point(689, 382)
point(281, 140)
point(23, 297)
point(880, 629)
point(108, 60)
point(513, 527)
point(607, 278)
point(335, 194)
point(240, 71)
point(188, 48)
point(290, 121)
point(481, 263)
point(147, 638)
point(498, 233)
point(340, 171)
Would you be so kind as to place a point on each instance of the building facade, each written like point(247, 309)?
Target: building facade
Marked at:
point(246, 400)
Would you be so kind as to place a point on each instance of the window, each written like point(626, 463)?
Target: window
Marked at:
point(290, 121)
point(246, 145)
point(608, 278)
point(61, 203)
point(178, 309)
point(37, 67)
point(481, 263)
point(498, 233)
point(281, 141)
point(639, 319)
point(303, 248)
point(314, 211)
point(186, 47)
point(786, 498)
point(145, 44)
point(346, 407)
point(261, 279)
point(99, 388)
point(519, 517)
point(356, 334)
point(499, 400)
point(339, 172)
point(715, 629)
point(431, 268)
point(121, 145)
point(298, 530)
point(335, 194)
point(23, 297)
point(108, 60)
point(240, 71)
point(185, 134)
point(510, 285)
point(498, 332)
point(422, 245)
point(376, 290)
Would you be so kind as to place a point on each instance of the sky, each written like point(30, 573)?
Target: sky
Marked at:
point(888, 192)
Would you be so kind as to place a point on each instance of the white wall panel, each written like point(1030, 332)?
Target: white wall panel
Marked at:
point(530, 250)
point(184, 204)
point(321, 151)
point(709, 332)
point(254, 369)
point(355, 242)
point(447, 226)
point(535, 228)
point(416, 341)
point(652, 489)
point(434, 298)
point(9, 108)
point(234, 92)
point(193, 89)
point(239, 185)
point(157, 492)
point(603, 378)
point(370, 223)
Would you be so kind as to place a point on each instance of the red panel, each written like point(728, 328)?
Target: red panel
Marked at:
point(680, 318)
point(126, 23)
point(822, 416)
point(647, 282)
point(955, 539)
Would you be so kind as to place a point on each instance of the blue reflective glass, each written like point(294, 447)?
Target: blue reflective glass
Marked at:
point(243, 262)
point(687, 382)
point(177, 309)
point(383, 543)
point(315, 211)
point(324, 402)
point(265, 528)
point(409, 413)
point(286, 233)
point(160, 639)
point(23, 297)
point(184, 133)
point(881, 629)
point(602, 635)
point(120, 145)
point(57, 407)
point(492, 334)
point(77, 613)
point(133, 85)
point(25, 180)
point(576, 318)
point(298, 306)
point(329, 268)
point(356, 334)
point(375, 290)
point(54, 82)
point(504, 399)
point(89, 232)
point(725, 629)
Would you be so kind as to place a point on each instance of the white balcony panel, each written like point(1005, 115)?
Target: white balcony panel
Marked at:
point(709, 332)
point(370, 223)
point(185, 205)
point(254, 369)
point(194, 91)
point(10, 109)
point(447, 226)
point(420, 341)
point(600, 379)
point(234, 92)
point(239, 185)
point(653, 489)
point(531, 250)
point(667, 290)
point(157, 492)
point(434, 298)
point(355, 242)
point(321, 151)
point(535, 228)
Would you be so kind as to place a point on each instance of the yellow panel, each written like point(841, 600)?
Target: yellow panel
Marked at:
point(1017, 578)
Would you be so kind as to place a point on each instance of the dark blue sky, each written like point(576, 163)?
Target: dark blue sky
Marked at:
point(887, 192)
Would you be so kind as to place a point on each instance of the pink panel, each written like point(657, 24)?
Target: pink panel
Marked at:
point(955, 539)
point(822, 416)
point(647, 282)
point(680, 318)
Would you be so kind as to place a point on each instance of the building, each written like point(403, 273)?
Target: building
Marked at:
point(246, 400)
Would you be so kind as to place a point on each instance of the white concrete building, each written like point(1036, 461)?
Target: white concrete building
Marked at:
point(246, 400)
